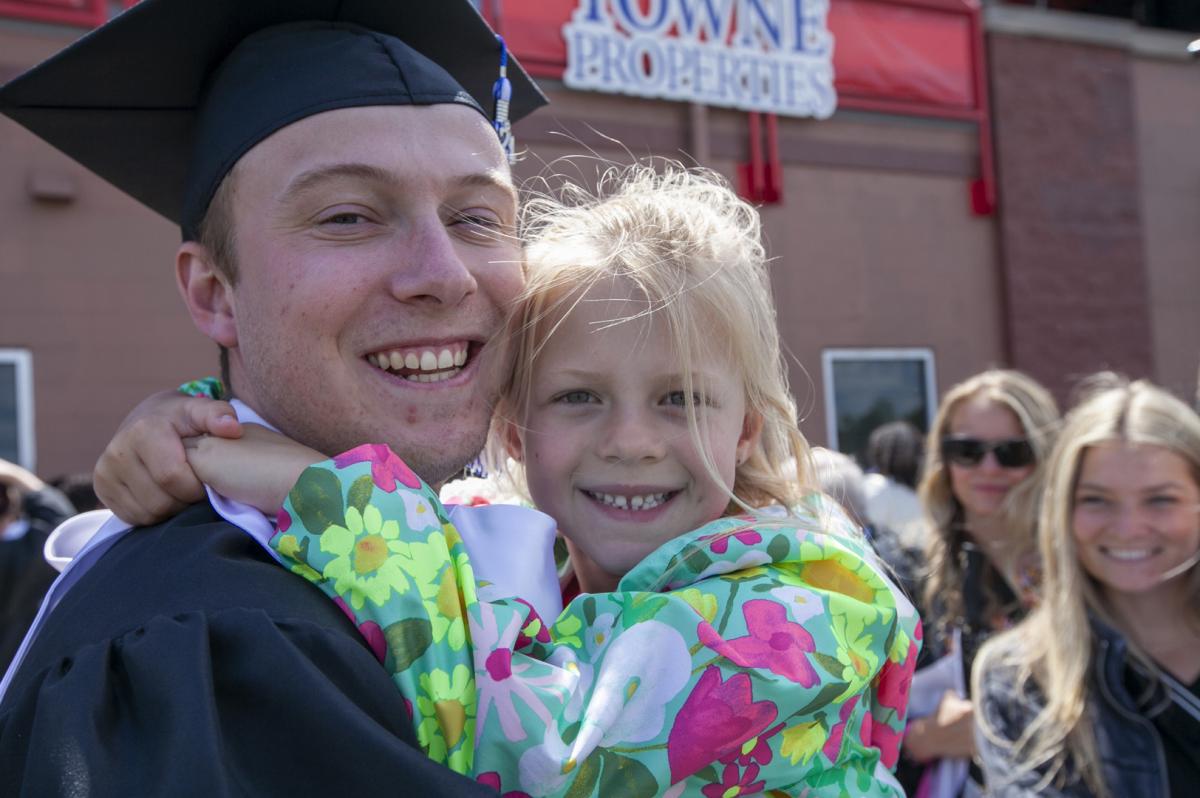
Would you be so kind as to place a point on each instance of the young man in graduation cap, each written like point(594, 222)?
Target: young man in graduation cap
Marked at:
point(347, 213)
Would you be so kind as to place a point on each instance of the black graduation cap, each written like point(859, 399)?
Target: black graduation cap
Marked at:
point(164, 99)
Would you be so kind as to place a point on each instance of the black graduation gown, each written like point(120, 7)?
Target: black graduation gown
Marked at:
point(188, 662)
point(24, 573)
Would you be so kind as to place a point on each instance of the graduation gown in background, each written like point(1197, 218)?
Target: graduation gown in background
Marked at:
point(24, 574)
point(174, 667)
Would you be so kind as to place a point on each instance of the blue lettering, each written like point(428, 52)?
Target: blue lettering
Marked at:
point(809, 89)
point(645, 62)
point(825, 94)
point(704, 73)
point(798, 24)
point(614, 58)
point(681, 66)
point(702, 17)
point(809, 32)
point(580, 54)
point(591, 11)
point(789, 85)
point(754, 18)
point(653, 22)
point(727, 66)
point(764, 79)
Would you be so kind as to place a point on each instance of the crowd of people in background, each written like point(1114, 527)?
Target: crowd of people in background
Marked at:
point(1058, 585)
point(30, 509)
point(1054, 561)
point(995, 525)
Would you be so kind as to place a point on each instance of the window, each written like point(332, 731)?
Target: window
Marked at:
point(865, 388)
point(16, 407)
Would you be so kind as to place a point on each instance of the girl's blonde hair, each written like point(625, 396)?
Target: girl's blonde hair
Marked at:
point(692, 250)
point(1054, 645)
point(1037, 413)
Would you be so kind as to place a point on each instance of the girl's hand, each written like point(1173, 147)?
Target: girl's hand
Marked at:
point(143, 475)
point(258, 469)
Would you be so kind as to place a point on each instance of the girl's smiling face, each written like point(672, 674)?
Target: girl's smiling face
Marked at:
point(1136, 515)
point(605, 438)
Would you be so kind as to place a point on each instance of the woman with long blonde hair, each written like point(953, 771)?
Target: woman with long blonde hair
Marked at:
point(984, 452)
point(1095, 693)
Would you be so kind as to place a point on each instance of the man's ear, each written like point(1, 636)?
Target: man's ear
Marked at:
point(207, 293)
point(752, 425)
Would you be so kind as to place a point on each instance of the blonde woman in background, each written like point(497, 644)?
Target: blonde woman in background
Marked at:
point(979, 492)
point(1095, 693)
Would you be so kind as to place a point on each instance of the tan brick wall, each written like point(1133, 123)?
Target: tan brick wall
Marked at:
point(87, 285)
point(1071, 233)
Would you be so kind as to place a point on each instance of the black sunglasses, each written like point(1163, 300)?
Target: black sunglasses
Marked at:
point(1012, 453)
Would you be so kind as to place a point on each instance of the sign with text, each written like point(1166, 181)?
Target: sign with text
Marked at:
point(774, 56)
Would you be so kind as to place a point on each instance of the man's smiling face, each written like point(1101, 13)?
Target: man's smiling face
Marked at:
point(376, 255)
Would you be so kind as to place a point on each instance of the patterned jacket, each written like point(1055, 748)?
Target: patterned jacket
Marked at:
point(755, 654)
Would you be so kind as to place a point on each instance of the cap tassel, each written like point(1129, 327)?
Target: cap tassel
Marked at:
point(502, 94)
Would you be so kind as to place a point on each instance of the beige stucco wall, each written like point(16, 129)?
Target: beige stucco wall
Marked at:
point(1167, 97)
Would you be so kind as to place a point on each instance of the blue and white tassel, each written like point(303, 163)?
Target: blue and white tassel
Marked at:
point(502, 94)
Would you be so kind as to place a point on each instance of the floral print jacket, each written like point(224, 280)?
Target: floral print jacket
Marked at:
point(756, 654)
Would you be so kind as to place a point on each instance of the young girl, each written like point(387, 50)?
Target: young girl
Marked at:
point(716, 648)
point(1097, 692)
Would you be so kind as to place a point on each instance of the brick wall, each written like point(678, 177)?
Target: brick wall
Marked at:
point(1071, 234)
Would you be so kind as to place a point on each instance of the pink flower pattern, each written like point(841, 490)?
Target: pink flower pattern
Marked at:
point(714, 721)
point(895, 680)
point(386, 468)
point(499, 664)
point(747, 537)
point(542, 635)
point(834, 744)
point(492, 779)
point(887, 740)
point(774, 643)
point(732, 784)
point(760, 754)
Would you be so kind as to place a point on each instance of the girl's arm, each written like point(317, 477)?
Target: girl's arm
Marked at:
point(143, 475)
point(258, 468)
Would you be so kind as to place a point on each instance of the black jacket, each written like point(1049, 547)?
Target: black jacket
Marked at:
point(1131, 752)
point(24, 574)
point(188, 662)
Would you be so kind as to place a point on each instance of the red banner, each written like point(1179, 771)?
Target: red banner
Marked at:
point(85, 13)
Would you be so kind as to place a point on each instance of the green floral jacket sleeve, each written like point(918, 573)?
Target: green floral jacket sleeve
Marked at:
point(756, 654)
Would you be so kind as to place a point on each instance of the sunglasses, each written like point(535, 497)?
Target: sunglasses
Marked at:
point(1012, 453)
